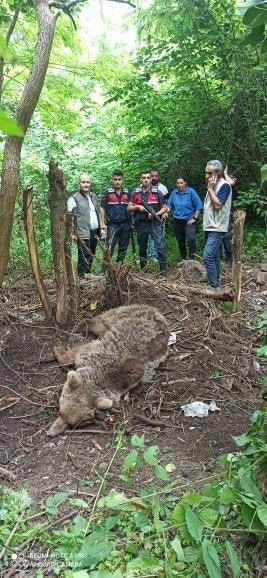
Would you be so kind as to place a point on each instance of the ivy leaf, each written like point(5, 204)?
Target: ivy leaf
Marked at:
point(211, 559)
point(235, 566)
point(262, 514)
point(150, 455)
point(262, 351)
point(194, 524)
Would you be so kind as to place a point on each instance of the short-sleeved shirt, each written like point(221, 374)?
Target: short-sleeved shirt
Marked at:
point(153, 198)
point(115, 205)
point(183, 205)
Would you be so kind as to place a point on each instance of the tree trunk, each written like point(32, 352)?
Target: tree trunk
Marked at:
point(57, 205)
point(28, 223)
point(239, 219)
point(72, 285)
point(24, 112)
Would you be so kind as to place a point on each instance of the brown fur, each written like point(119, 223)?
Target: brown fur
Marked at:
point(133, 341)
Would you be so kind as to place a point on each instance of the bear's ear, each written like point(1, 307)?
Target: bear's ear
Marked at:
point(58, 427)
point(131, 372)
point(73, 380)
point(103, 403)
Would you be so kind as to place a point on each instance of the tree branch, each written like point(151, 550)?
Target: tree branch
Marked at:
point(124, 2)
point(8, 36)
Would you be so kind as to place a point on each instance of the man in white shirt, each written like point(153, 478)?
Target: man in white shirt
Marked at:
point(87, 223)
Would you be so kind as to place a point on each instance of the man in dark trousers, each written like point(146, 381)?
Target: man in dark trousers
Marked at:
point(114, 205)
point(148, 206)
point(87, 223)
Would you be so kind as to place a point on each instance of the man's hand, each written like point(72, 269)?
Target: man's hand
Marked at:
point(142, 209)
point(191, 222)
point(165, 216)
point(103, 231)
point(212, 182)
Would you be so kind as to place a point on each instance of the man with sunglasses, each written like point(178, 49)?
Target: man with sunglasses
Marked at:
point(148, 206)
point(217, 207)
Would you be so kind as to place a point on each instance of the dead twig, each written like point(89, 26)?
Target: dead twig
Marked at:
point(7, 474)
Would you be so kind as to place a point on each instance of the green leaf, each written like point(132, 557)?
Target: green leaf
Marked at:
point(227, 495)
point(115, 500)
point(191, 555)
point(256, 36)
point(209, 516)
point(9, 125)
point(78, 502)
point(241, 440)
point(79, 525)
point(52, 502)
point(248, 485)
point(131, 461)
point(211, 559)
point(263, 174)
point(262, 514)
point(150, 455)
point(235, 566)
point(161, 473)
point(143, 563)
point(170, 468)
point(138, 441)
point(250, 15)
point(262, 351)
point(92, 553)
point(178, 549)
point(194, 524)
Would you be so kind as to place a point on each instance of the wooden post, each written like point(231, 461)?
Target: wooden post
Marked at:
point(72, 285)
point(36, 270)
point(239, 219)
point(57, 205)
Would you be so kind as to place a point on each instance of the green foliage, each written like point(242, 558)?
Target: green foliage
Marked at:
point(156, 532)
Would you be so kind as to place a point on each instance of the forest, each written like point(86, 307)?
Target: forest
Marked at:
point(167, 478)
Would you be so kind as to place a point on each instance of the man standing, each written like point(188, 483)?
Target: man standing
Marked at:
point(185, 205)
point(148, 205)
point(155, 180)
point(217, 207)
point(114, 205)
point(87, 223)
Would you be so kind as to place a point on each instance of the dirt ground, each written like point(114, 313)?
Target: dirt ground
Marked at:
point(213, 359)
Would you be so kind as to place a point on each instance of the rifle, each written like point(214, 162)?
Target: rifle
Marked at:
point(151, 211)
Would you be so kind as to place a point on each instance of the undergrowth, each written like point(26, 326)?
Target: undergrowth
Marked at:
point(155, 533)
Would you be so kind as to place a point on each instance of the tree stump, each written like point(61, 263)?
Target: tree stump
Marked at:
point(35, 265)
point(239, 219)
point(117, 282)
point(57, 205)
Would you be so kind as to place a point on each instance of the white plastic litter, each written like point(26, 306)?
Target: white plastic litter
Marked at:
point(172, 338)
point(199, 408)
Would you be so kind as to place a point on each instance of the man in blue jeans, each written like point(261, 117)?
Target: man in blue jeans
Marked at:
point(148, 206)
point(217, 207)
